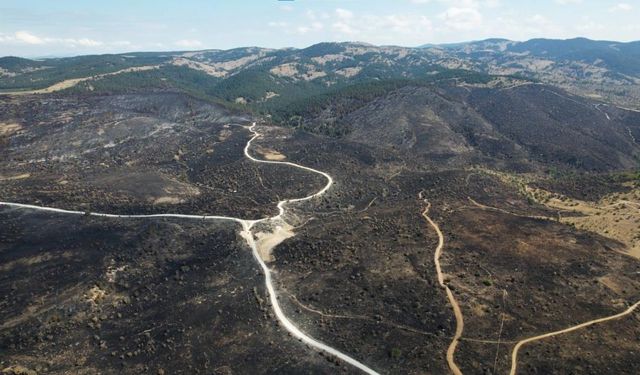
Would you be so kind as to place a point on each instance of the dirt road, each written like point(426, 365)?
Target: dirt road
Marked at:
point(248, 235)
point(452, 300)
point(514, 354)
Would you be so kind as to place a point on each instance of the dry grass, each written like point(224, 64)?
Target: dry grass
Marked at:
point(168, 200)
point(34, 260)
point(285, 70)
point(224, 135)
point(9, 128)
point(270, 95)
point(616, 216)
point(15, 177)
point(96, 294)
point(73, 82)
point(349, 72)
point(209, 69)
point(330, 58)
point(270, 154)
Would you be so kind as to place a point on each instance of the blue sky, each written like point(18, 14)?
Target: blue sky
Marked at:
point(68, 27)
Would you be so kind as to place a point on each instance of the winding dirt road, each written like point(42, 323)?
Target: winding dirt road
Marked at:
point(248, 235)
point(452, 300)
point(514, 354)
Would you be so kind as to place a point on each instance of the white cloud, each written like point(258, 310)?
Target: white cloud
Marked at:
point(476, 4)
point(344, 28)
point(462, 3)
point(286, 8)
point(25, 37)
point(587, 25)
point(633, 28)
point(420, 1)
point(461, 18)
point(492, 3)
point(71, 42)
point(344, 14)
point(28, 38)
point(539, 22)
point(517, 26)
point(188, 43)
point(541, 26)
point(565, 2)
point(387, 29)
point(278, 24)
point(403, 23)
point(84, 42)
point(317, 15)
point(121, 43)
point(539, 19)
point(344, 25)
point(315, 26)
point(621, 7)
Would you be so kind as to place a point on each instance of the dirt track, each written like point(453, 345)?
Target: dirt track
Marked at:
point(452, 300)
point(514, 354)
point(249, 236)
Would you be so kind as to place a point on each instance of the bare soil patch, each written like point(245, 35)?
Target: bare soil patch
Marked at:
point(270, 154)
point(9, 128)
point(267, 241)
point(21, 176)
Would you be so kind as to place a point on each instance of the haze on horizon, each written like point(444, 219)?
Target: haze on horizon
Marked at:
point(36, 28)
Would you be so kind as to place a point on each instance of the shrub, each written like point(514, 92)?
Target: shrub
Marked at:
point(395, 353)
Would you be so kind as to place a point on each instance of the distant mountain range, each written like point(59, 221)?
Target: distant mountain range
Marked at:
point(616, 57)
point(605, 70)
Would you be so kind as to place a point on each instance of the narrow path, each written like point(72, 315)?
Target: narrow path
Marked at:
point(361, 317)
point(484, 207)
point(248, 235)
point(628, 109)
point(597, 106)
point(514, 354)
point(565, 97)
point(452, 300)
point(631, 135)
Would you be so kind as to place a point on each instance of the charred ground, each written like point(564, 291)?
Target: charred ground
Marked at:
point(82, 294)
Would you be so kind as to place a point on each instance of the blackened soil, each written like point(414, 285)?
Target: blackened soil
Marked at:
point(88, 295)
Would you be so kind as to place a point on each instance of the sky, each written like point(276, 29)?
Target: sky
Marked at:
point(40, 28)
